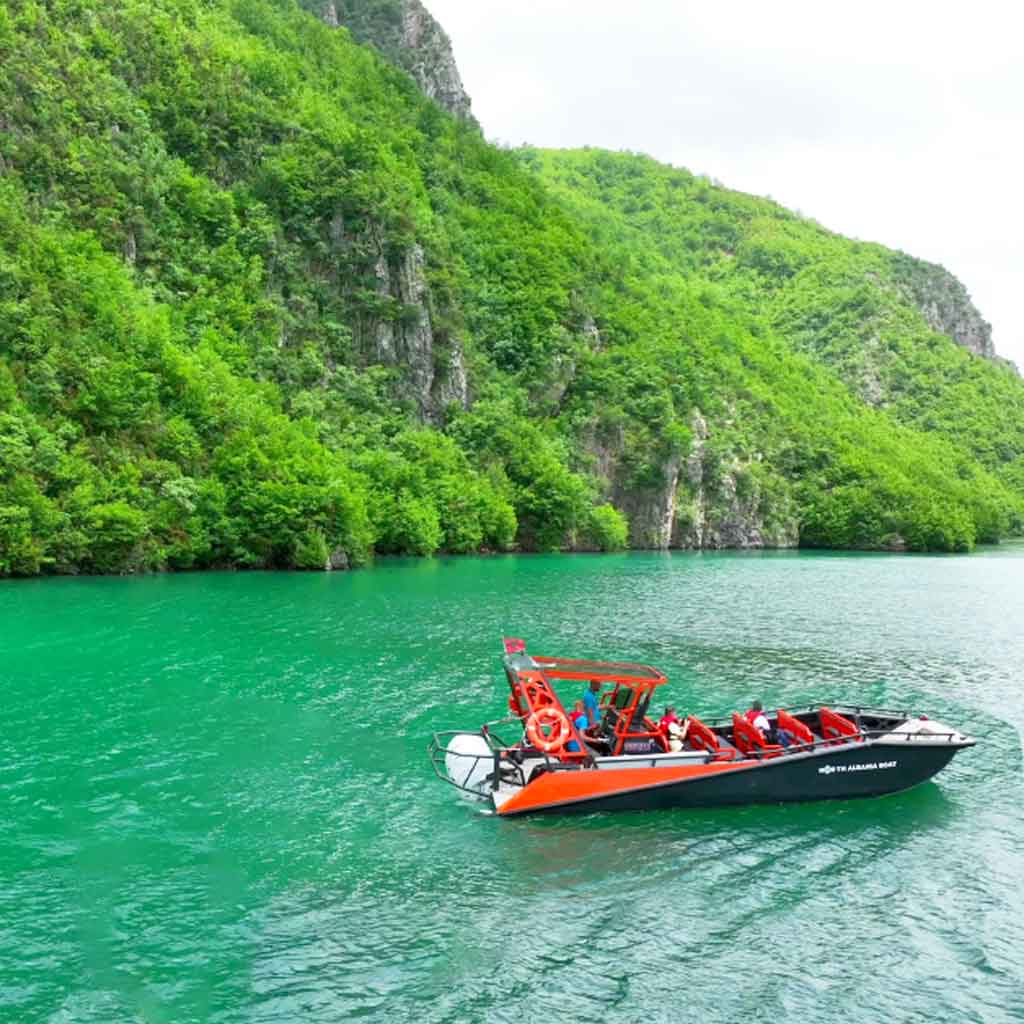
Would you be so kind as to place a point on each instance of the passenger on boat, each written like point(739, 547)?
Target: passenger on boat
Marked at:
point(591, 706)
point(579, 719)
point(672, 729)
point(757, 718)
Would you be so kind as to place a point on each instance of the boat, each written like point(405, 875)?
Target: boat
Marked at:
point(546, 765)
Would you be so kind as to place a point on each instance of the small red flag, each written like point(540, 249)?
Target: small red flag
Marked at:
point(513, 645)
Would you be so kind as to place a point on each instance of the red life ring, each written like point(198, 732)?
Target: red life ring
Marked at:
point(556, 722)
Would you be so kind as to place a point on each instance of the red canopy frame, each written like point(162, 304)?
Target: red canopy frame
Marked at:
point(530, 679)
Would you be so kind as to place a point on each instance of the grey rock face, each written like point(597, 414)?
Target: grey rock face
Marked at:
point(651, 511)
point(725, 519)
point(946, 306)
point(695, 506)
point(338, 561)
point(404, 336)
point(712, 514)
point(592, 335)
point(409, 37)
point(430, 60)
point(330, 14)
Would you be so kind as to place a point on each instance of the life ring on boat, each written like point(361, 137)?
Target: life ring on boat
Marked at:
point(556, 722)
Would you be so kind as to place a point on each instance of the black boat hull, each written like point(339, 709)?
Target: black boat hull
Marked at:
point(861, 770)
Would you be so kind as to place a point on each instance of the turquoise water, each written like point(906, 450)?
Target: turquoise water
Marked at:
point(217, 805)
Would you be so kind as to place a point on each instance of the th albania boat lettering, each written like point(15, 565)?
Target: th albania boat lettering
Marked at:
point(626, 762)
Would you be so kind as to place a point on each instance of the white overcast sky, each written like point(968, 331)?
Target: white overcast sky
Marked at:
point(899, 122)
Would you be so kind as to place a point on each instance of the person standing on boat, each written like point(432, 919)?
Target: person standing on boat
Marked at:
point(579, 719)
point(591, 707)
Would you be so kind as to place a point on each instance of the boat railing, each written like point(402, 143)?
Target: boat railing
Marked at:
point(440, 753)
point(501, 763)
point(504, 760)
point(496, 760)
point(800, 747)
point(839, 706)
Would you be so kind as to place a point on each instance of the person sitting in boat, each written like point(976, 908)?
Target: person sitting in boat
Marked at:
point(672, 729)
point(579, 719)
point(759, 720)
point(591, 706)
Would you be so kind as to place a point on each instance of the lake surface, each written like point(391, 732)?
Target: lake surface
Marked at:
point(216, 803)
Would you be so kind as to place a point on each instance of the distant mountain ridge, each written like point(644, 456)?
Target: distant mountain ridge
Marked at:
point(265, 302)
point(406, 33)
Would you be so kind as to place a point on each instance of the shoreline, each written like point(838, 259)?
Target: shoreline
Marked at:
point(395, 561)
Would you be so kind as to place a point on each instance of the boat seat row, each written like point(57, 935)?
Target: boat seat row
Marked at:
point(837, 729)
point(703, 737)
point(795, 727)
point(834, 728)
point(749, 739)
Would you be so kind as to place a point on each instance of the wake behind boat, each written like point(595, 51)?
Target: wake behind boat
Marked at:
point(627, 762)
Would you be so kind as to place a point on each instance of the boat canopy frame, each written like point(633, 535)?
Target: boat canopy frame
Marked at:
point(623, 707)
point(632, 673)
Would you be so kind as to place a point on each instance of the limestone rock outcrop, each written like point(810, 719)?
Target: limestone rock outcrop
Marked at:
point(399, 330)
point(429, 59)
point(946, 306)
point(407, 35)
point(699, 502)
point(651, 511)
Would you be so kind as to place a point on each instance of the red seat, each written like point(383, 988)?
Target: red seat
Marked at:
point(837, 729)
point(749, 739)
point(795, 726)
point(704, 738)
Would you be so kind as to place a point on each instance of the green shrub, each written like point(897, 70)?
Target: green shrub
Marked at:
point(311, 551)
point(607, 529)
point(116, 533)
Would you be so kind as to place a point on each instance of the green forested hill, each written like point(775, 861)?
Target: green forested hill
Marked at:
point(852, 310)
point(264, 304)
point(856, 307)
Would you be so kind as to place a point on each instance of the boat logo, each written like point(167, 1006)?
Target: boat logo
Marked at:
point(828, 769)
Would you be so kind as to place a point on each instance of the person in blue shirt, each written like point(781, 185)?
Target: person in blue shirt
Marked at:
point(590, 703)
point(579, 719)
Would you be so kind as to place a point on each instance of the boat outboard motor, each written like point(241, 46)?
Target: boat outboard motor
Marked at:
point(469, 762)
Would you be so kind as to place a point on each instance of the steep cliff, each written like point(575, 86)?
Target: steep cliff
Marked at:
point(727, 505)
point(397, 322)
point(736, 288)
point(406, 34)
point(704, 497)
point(945, 305)
point(901, 334)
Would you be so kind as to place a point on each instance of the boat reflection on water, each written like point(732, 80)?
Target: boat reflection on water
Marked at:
point(682, 841)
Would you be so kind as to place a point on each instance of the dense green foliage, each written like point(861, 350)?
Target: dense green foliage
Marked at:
point(244, 266)
point(854, 306)
point(180, 341)
point(781, 323)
